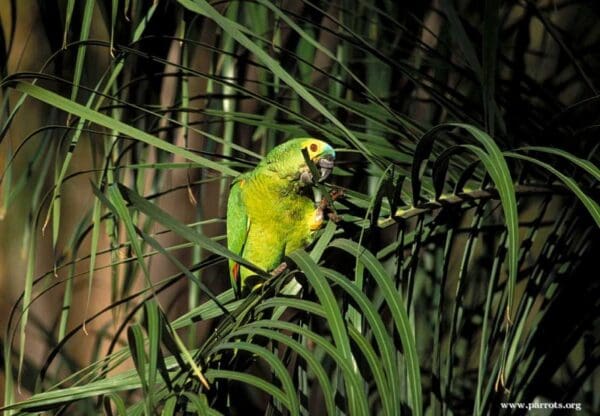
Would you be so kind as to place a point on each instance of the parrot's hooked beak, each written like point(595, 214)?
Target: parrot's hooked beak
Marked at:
point(322, 157)
point(325, 165)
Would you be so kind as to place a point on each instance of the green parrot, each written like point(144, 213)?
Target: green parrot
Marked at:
point(270, 211)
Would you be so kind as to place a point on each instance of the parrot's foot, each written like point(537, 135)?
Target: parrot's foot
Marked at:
point(325, 208)
point(334, 217)
point(279, 269)
point(336, 193)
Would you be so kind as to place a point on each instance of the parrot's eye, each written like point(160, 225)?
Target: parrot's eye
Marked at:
point(313, 147)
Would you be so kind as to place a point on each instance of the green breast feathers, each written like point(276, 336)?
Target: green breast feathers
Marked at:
point(269, 212)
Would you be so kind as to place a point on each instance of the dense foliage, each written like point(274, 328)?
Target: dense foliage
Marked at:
point(457, 279)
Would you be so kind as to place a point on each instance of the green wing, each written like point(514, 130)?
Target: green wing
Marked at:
point(237, 229)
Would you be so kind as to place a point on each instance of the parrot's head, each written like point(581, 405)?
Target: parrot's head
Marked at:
point(288, 160)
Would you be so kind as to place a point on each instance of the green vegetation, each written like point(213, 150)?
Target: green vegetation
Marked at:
point(459, 277)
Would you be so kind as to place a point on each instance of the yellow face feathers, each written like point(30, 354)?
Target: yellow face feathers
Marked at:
point(287, 160)
point(318, 148)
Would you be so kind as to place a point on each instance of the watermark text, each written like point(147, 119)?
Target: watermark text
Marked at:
point(540, 405)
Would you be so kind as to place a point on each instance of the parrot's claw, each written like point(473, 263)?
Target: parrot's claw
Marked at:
point(279, 269)
point(334, 217)
point(323, 205)
point(325, 208)
point(336, 193)
point(306, 177)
